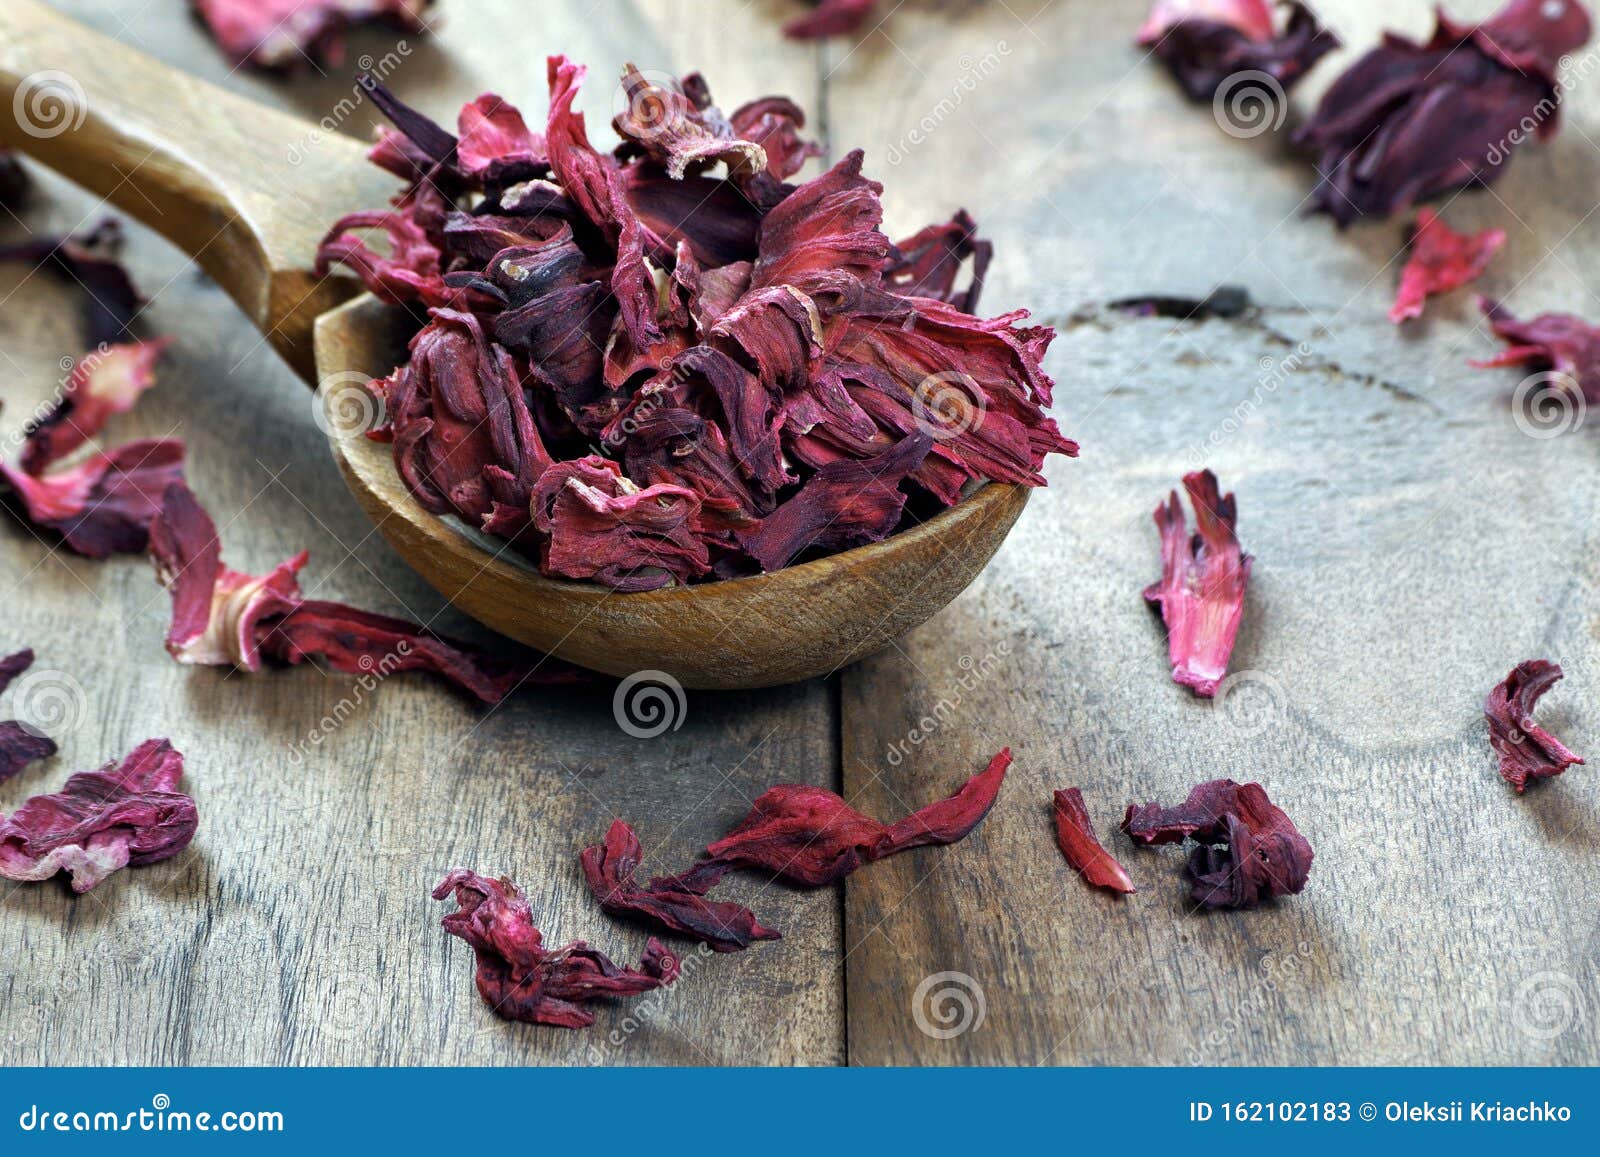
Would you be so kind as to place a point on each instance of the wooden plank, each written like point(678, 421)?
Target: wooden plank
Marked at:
point(1412, 544)
point(298, 928)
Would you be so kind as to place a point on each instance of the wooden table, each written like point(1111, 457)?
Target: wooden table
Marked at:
point(1411, 543)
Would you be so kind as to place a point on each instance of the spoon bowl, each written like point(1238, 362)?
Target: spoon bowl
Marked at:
point(200, 165)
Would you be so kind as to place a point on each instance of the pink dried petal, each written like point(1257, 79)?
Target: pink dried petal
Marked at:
point(675, 902)
point(411, 272)
point(217, 612)
point(1527, 751)
point(520, 979)
point(284, 35)
point(1075, 836)
point(1556, 342)
point(1252, 18)
point(1250, 848)
point(1201, 593)
point(809, 835)
point(104, 505)
point(493, 134)
point(101, 821)
point(1440, 260)
point(103, 382)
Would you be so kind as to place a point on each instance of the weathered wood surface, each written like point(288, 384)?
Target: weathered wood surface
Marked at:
point(1411, 542)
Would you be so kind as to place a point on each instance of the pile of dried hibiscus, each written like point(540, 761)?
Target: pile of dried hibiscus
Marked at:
point(764, 375)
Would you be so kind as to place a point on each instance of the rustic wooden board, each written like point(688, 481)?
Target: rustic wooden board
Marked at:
point(298, 928)
point(1412, 544)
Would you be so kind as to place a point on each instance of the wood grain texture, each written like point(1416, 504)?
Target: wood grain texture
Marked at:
point(298, 928)
point(1412, 544)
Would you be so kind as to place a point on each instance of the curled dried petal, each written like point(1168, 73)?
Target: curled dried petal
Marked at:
point(1527, 751)
point(1076, 839)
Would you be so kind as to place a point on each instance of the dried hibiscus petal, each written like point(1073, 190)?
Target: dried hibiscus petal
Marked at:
point(830, 18)
point(1250, 849)
point(676, 902)
point(21, 745)
point(222, 617)
point(518, 977)
point(280, 35)
point(13, 665)
point(809, 835)
point(1204, 43)
point(1409, 121)
point(103, 382)
point(1440, 259)
point(1526, 750)
point(105, 504)
point(1201, 593)
point(1075, 836)
point(91, 262)
point(121, 815)
point(1557, 343)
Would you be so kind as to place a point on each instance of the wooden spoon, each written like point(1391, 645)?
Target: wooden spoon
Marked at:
point(248, 192)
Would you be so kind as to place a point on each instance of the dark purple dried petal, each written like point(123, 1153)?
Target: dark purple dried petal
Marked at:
point(288, 35)
point(1216, 47)
point(89, 261)
point(104, 505)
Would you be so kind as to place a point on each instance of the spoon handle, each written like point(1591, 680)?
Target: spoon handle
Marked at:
point(244, 190)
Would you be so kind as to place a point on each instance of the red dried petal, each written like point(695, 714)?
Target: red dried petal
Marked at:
point(1410, 121)
point(1559, 343)
point(121, 815)
point(1252, 18)
point(1440, 260)
point(518, 978)
point(1527, 751)
point(104, 505)
point(106, 381)
point(809, 835)
point(675, 902)
point(681, 135)
point(602, 526)
point(493, 134)
point(1251, 849)
point(831, 18)
point(1075, 836)
point(222, 617)
point(411, 271)
point(1201, 593)
point(285, 35)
